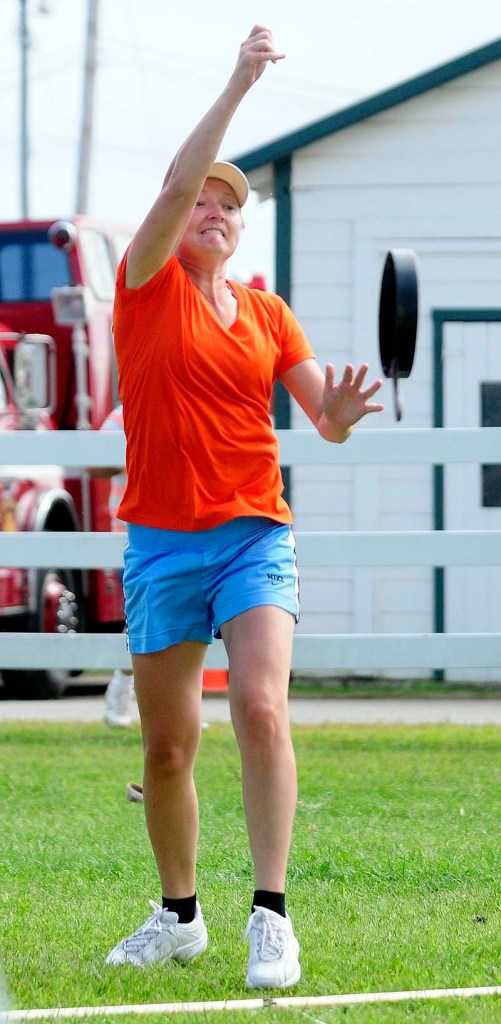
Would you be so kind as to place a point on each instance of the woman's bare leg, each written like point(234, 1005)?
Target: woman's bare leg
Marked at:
point(259, 645)
point(168, 687)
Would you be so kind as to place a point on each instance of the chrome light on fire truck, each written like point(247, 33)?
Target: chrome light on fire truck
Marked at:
point(34, 366)
point(71, 305)
point(63, 234)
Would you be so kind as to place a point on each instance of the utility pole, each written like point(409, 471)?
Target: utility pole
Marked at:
point(85, 148)
point(24, 154)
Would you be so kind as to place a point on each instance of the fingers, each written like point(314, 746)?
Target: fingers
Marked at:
point(330, 375)
point(360, 376)
point(369, 392)
point(260, 42)
point(356, 380)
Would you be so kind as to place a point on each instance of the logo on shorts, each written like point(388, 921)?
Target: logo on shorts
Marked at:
point(275, 578)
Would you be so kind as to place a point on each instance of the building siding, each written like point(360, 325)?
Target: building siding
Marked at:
point(425, 175)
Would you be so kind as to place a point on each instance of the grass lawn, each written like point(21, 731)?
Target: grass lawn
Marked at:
point(375, 688)
point(394, 872)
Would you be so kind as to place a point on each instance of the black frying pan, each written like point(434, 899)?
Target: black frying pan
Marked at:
point(398, 316)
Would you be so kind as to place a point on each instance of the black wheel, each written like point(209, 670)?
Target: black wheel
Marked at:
point(59, 610)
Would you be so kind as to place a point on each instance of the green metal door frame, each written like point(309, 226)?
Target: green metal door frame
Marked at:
point(283, 214)
point(440, 318)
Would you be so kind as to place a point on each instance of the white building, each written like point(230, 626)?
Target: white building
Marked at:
point(417, 166)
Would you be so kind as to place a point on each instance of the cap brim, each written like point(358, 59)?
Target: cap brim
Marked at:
point(233, 177)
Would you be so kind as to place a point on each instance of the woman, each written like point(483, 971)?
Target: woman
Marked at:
point(211, 551)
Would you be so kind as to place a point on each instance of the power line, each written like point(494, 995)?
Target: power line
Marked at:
point(165, 62)
point(40, 69)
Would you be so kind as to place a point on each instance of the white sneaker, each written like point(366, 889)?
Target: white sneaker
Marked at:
point(161, 938)
point(273, 950)
point(118, 700)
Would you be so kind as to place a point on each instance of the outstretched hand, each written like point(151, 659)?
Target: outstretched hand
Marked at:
point(255, 53)
point(345, 403)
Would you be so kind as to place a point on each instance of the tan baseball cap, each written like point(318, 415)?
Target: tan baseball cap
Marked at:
point(233, 176)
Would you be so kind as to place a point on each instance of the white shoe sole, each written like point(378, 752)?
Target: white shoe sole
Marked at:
point(117, 723)
point(134, 793)
point(293, 980)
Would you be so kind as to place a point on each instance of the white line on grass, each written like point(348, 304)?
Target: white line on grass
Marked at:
point(251, 1004)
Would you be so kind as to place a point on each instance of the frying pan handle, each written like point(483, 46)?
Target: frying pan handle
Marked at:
point(397, 404)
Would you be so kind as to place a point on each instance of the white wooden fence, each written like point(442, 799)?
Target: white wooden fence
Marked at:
point(316, 652)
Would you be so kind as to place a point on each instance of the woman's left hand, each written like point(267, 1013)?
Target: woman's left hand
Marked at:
point(346, 402)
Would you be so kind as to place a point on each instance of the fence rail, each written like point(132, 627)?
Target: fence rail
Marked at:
point(330, 550)
point(312, 652)
point(429, 446)
point(341, 653)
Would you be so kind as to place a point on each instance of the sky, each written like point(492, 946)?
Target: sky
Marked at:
point(161, 64)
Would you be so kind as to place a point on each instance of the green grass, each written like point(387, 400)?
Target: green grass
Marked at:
point(394, 871)
point(372, 688)
point(356, 686)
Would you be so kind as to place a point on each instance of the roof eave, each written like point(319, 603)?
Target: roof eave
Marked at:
point(283, 147)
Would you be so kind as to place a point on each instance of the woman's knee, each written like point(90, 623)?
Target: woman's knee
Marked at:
point(170, 756)
point(263, 719)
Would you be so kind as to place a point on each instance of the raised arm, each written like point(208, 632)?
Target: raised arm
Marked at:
point(159, 234)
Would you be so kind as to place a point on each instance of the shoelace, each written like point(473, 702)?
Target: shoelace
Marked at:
point(270, 937)
point(149, 929)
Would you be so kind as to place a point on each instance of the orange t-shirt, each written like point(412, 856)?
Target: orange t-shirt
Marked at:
point(201, 448)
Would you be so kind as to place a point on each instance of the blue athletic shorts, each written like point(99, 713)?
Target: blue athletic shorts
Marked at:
point(183, 586)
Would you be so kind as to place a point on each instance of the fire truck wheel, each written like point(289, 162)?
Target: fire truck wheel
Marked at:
point(59, 610)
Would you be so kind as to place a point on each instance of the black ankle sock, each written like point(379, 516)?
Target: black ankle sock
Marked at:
point(185, 908)
point(270, 901)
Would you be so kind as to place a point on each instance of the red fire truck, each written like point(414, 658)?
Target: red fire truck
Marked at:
point(57, 372)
